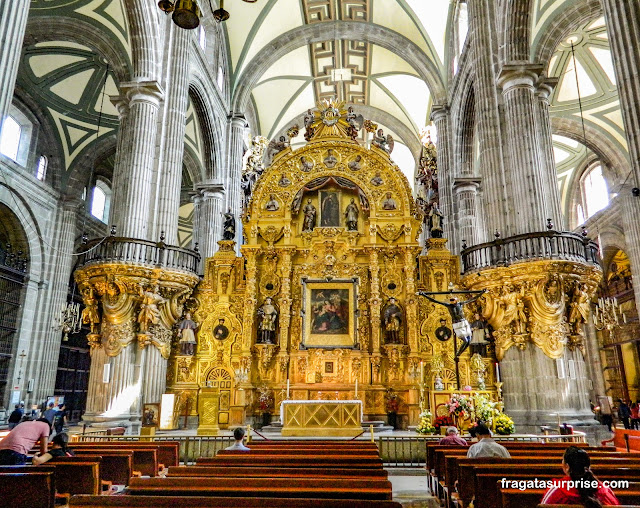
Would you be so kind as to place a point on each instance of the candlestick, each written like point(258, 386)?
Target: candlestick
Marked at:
point(287, 388)
point(498, 372)
point(421, 371)
point(356, 389)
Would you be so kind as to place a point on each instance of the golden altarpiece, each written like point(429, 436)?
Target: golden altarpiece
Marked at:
point(322, 303)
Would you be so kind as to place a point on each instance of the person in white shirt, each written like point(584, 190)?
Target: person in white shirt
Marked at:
point(238, 435)
point(486, 446)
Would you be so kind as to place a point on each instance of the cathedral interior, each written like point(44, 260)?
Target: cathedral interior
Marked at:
point(306, 199)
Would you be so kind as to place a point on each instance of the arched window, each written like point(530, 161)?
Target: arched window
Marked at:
point(220, 80)
point(101, 201)
point(10, 140)
point(595, 194)
point(41, 172)
point(202, 38)
point(461, 31)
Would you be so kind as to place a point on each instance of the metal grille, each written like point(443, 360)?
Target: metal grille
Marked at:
point(11, 284)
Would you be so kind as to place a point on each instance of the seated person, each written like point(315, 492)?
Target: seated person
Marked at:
point(15, 446)
point(486, 446)
point(576, 463)
point(238, 435)
point(452, 438)
point(57, 448)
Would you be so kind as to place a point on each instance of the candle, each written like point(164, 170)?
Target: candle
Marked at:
point(624, 318)
point(421, 371)
point(356, 388)
point(287, 388)
point(497, 372)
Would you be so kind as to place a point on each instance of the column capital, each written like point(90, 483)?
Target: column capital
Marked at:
point(121, 103)
point(545, 87)
point(143, 91)
point(467, 183)
point(73, 204)
point(519, 74)
point(439, 112)
point(238, 120)
point(211, 189)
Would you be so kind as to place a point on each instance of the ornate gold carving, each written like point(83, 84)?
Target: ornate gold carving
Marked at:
point(395, 354)
point(271, 234)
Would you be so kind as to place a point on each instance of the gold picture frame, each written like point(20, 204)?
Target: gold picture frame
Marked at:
point(330, 314)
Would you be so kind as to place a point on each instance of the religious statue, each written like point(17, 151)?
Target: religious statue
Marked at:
point(309, 131)
point(187, 333)
point(355, 164)
point(330, 160)
point(310, 213)
point(149, 313)
point(513, 309)
point(229, 226)
point(383, 142)
point(438, 385)
point(377, 179)
point(478, 336)
point(272, 205)
point(389, 203)
point(275, 147)
point(247, 182)
point(443, 332)
point(90, 314)
point(461, 326)
point(330, 211)
point(305, 165)
point(268, 315)
point(435, 221)
point(220, 332)
point(355, 123)
point(392, 315)
point(351, 215)
point(284, 181)
point(579, 308)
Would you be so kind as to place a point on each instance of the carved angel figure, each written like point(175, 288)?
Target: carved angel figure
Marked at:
point(90, 314)
point(579, 311)
point(149, 313)
point(383, 142)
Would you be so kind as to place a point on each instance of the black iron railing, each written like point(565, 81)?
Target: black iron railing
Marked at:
point(16, 261)
point(564, 246)
point(113, 249)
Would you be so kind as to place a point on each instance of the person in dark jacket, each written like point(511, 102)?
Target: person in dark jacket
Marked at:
point(624, 413)
point(15, 416)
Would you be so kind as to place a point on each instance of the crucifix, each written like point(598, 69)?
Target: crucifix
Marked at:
point(461, 326)
point(22, 355)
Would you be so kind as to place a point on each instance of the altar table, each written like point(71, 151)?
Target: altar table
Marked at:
point(321, 418)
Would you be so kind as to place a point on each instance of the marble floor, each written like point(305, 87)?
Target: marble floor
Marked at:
point(410, 488)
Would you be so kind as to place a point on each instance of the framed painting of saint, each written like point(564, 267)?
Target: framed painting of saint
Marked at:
point(329, 209)
point(329, 314)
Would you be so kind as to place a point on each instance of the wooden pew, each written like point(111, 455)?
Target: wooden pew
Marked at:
point(115, 467)
point(145, 460)
point(246, 460)
point(263, 487)
point(531, 498)
point(302, 451)
point(271, 472)
point(168, 452)
point(70, 477)
point(222, 502)
point(28, 489)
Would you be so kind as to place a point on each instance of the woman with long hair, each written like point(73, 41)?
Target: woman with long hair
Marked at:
point(586, 490)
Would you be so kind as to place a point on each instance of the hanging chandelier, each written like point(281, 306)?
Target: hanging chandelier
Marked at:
point(69, 319)
point(187, 14)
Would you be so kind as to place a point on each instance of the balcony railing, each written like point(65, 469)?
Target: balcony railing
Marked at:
point(113, 249)
point(564, 246)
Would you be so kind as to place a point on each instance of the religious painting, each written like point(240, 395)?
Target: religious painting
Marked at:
point(328, 367)
point(329, 314)
point(329, 209)
point(150, 415)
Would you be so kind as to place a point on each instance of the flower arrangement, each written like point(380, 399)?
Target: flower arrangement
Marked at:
point(424, 423)
point(504, 425)
point(442, 421)
point(265, 401)
point(459, 405)
point(483, 408)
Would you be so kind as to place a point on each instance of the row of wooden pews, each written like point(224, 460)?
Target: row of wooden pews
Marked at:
point(458, 481)
point(94, 469)
point(276, 474)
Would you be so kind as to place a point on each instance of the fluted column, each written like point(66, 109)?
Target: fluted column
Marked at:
point(13, 20)
point(237, 125)
point(43, 361)
point(120, 174)
point(208, 209)
point(442, 120)
point(526, 182)
point(482, 31)
point(623, 24)
point(133, 201)
point(466, 196)
point(174, 126)
point(553, 204)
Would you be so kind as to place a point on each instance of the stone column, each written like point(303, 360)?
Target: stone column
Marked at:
point(174, 125)
point(237, 125)
point(482, 33)
point(120, 175)
point(552, 200)
point(137, 161)
point(594, 361)
point(527, 185)
point(442, 120)
point(208, 218)
point(623, 26)
point(42, 364)
point(466, 193)
point(13, 20)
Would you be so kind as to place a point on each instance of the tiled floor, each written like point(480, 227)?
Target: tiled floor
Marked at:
point(410, 488)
